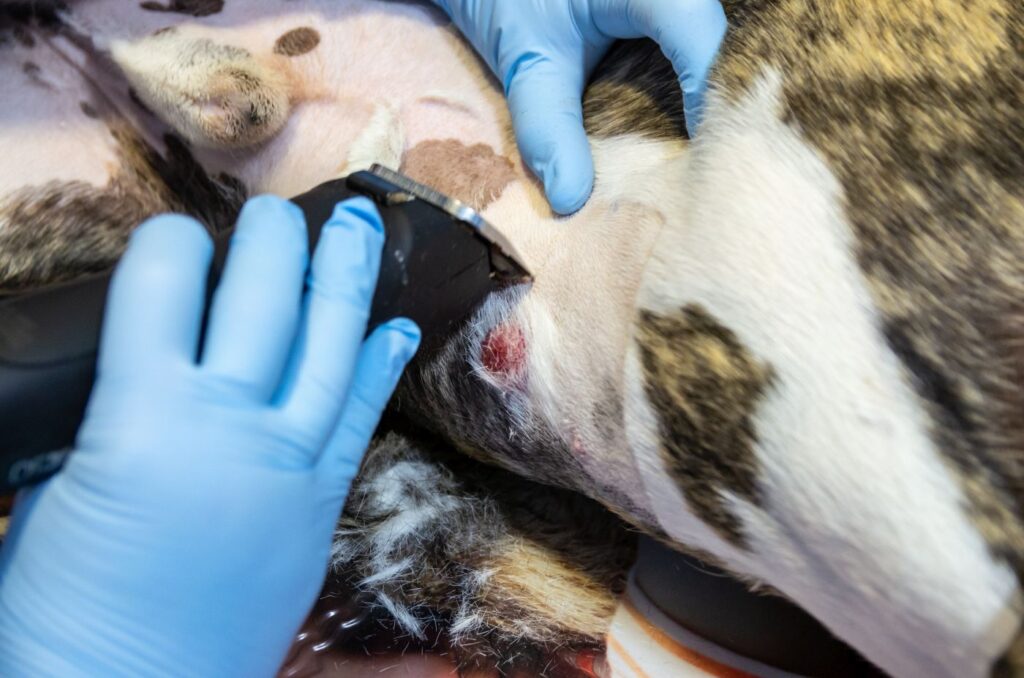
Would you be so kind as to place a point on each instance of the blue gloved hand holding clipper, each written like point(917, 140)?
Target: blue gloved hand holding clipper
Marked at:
point(189, 532)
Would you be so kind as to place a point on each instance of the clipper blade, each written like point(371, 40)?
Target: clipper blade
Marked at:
point(507, 265)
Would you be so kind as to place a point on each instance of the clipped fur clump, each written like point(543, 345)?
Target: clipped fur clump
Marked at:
point(508, 571)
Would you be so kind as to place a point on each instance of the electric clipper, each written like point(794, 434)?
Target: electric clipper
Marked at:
point(440, 261)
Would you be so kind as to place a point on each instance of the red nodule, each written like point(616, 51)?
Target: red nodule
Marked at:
point(503, 351)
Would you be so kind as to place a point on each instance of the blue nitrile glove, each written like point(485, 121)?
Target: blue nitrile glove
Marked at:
point(188, 534)
point(544, 50)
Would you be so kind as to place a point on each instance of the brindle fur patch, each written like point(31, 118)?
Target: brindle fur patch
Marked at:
point(475, 174)
point(297, 41)
point(635, 91)
point(916, 107)
point(705, 388)
point(61, 230)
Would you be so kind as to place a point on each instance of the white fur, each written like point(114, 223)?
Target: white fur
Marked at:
point(381, 141)
point(862, 521)
point(405, 619)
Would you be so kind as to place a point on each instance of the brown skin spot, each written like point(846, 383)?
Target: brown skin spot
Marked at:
point(704, 387)
point(475, 174)
point(34, 74)
point(297, 41)
point(191, 7)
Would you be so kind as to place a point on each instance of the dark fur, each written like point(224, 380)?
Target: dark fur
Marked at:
point(190, 7)
point(704, 386)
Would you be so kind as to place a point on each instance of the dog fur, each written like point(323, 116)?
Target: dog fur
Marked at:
point(808, 369)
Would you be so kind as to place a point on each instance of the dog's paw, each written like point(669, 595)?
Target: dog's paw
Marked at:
point(213, 94)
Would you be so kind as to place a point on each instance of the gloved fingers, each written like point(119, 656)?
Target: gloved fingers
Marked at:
point(342, 281)
point(256, 307)
point(545, 99)
point(688, 31)
point(156, 298)
point(382, 359)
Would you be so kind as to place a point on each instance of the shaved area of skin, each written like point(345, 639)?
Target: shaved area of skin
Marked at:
point(475, 174)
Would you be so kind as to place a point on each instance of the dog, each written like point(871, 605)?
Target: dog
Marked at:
point(792, 346)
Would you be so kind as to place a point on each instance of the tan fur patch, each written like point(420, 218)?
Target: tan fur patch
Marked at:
point(635, 91)
point(539, 585)
point(215, 95)
point(475, 174)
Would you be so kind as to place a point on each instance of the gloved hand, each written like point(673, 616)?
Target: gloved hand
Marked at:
point(544, 51)
point(189, 532)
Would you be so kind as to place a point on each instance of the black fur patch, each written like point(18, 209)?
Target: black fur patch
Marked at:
point(16, 19)
point(704, 386)
point(297, 41)
point(635, 91)
point(192, 7)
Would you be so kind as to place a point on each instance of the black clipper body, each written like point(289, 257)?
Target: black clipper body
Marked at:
point(440, 261)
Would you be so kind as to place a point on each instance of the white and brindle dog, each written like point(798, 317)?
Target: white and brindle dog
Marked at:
point(794, 345)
